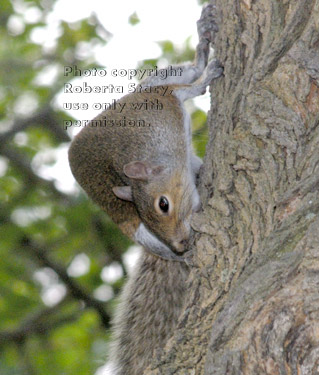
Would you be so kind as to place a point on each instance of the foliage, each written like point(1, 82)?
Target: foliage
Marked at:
point(51, 320)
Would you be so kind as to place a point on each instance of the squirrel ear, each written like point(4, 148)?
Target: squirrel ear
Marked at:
point(123, 192)
point(141, 170)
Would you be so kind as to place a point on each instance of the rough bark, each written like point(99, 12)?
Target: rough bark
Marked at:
point(253, 304)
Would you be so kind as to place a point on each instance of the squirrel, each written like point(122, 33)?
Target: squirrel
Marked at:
point(144, 178)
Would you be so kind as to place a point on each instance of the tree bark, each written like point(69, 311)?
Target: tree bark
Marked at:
point(253, 303)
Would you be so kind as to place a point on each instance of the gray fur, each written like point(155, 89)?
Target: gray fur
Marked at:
point(148, 313)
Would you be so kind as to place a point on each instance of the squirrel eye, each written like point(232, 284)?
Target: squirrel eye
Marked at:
point(163, 204)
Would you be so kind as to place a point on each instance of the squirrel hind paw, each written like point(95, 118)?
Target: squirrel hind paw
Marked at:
point(207, 23)
point(214, 70)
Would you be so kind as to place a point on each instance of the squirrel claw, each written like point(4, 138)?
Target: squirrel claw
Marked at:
point(214, 69)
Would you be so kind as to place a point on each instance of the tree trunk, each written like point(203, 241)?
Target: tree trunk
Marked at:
point(253, 303)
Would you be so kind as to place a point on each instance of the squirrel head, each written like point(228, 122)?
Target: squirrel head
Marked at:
point(164, 199)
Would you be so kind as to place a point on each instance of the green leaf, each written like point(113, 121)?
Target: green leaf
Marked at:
point(133, 19)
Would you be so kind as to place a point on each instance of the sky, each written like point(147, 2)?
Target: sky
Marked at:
point(131, 44)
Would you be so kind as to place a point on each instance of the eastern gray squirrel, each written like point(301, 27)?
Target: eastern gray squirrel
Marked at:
point(144, 178)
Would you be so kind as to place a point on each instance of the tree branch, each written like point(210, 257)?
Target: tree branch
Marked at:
point(293, 29)
point(45, 116)
point(38, 323)
point(75, 290)
point(254, 283)
point(20, 162)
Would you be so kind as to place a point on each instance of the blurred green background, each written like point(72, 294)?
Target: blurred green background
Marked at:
point(62, 261)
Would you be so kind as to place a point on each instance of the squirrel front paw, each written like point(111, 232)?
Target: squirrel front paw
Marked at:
point(154, 246)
